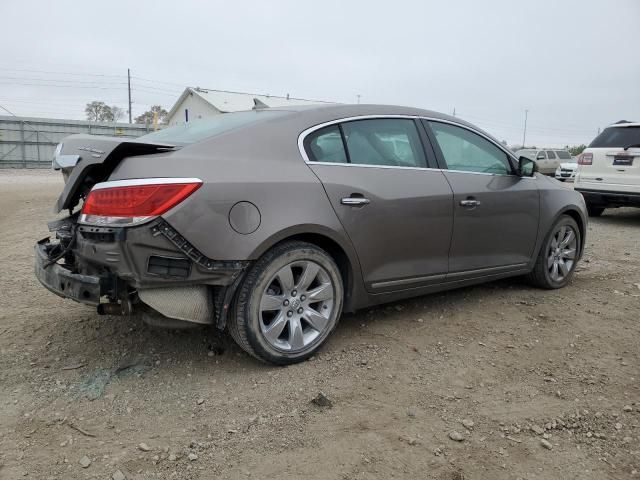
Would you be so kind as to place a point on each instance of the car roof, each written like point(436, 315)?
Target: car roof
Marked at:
point(311, 115)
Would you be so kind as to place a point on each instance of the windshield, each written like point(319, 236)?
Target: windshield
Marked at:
point(617, 137)
point(198, 130)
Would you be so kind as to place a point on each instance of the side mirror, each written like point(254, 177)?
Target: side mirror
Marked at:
point(526, 167)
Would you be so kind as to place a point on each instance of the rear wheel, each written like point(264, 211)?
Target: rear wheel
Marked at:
point(288, 304)
point(558, 256)
point(594, 211)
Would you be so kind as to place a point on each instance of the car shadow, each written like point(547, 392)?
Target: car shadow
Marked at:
point(619, 216)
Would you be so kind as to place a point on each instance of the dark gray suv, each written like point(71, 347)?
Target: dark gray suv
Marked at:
point(273, 222)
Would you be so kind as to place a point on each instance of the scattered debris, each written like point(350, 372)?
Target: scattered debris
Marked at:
point(627, 408)
point(321, 400)
point(546, 444)
point(456, 436)
point(85, 462)
point(118, 475)
point(468, 423)
point(192, 457)
point(144, 447)
point(73, 367)
point(68, 422)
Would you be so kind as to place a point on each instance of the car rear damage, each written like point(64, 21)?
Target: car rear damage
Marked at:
point(129, 262)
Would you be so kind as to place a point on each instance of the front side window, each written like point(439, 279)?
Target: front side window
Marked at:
point(551, 155)
point(469, 152)
point(541, 156)
point(385, 142)
point(326, 146)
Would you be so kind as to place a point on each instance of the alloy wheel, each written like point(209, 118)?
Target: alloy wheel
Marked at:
point(562, 253)
point(296, 306)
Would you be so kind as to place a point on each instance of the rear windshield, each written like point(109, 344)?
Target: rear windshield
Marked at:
point(198, 130)
point(617, 137)
point(563, 154)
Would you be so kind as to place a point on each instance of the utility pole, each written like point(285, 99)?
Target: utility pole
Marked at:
point(524, 134)
point(129, 88)
point(358, 98)
point(454, 111)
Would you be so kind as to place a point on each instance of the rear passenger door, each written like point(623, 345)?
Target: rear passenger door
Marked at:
point(396, 210)
point(495, 211)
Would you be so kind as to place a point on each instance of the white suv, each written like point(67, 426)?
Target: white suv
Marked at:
point(609, 169)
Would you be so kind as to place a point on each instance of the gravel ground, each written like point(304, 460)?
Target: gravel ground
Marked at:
point(500, 381)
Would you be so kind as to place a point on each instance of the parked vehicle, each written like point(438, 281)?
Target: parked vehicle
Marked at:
point(273, 222)
point(548, 160)
point(609, 169)
point(567, 170)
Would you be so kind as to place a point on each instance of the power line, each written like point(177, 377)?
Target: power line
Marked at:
point(62, 73)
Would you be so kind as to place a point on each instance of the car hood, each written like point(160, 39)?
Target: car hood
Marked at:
point(569, 165)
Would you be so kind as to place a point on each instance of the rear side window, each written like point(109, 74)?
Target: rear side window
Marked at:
point(385, 142)
point(325, 145)
point(617, 137)
point(469, 152)
point(563, 155)
point(551, 155)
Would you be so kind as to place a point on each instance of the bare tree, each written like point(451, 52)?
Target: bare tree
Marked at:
point(118, 113)
point(98, 112)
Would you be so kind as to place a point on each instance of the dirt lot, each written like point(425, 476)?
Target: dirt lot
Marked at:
point(517, 365)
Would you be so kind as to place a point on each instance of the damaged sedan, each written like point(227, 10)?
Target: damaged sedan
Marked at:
point(271, 223)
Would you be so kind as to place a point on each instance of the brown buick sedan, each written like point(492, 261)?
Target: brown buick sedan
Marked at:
point(272, 222)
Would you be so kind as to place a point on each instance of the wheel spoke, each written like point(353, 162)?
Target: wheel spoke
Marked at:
point(550, 261)
point(564, 267)
point(569, 253)
point(315, 319)
point(554, 271)
point(274, 330)
point(296, 339)
point(567, 238)
point(308, 276)
point(321, 293)
point(271, 302)
point(285, 277)
point(554, 242)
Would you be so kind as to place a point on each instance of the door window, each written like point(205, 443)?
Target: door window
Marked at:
point(385, 142)
point(325, 145)
point(469, 152)
point(541, 156)
point(551, 155)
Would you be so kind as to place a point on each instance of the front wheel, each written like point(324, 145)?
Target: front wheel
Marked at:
point(288, 304)
point(558, 256)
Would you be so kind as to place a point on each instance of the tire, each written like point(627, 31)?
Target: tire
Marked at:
point(594, 211)
point(549, 270)
point(274, 316)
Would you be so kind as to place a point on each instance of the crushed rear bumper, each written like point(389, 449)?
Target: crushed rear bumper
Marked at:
point(63, 282)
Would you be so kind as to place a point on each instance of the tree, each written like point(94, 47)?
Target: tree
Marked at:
point(98, 112)
point(576, 149)
point(147, 117)
point(118, 113)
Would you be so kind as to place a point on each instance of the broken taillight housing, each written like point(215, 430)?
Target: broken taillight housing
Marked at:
point(585, 159)
point(130, 202)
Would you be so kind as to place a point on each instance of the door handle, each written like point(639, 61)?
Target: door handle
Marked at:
point(469, 203)
point(355, 201)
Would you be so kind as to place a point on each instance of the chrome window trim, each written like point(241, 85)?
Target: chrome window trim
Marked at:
point(303, 135)
point(144, 181)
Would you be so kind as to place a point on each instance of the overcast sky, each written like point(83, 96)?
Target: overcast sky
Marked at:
point(574, 64)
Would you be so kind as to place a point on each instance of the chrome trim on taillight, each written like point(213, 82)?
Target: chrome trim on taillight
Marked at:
point(144, 181)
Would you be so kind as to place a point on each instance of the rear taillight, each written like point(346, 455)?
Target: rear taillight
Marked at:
point(128, 202)
point(585, 158)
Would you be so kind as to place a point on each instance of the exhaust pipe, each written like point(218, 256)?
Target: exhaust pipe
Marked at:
point(124, 308)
